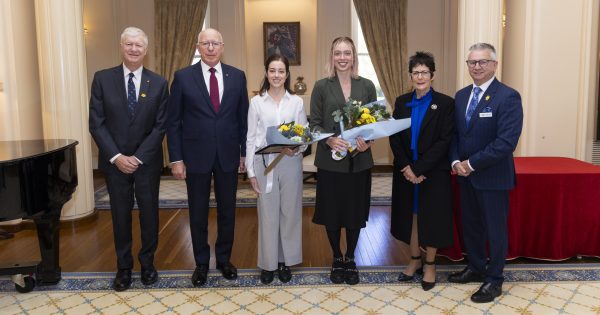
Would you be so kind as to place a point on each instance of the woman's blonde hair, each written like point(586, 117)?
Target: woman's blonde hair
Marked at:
point(330, 67)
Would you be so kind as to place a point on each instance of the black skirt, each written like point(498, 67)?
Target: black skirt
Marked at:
point(343, 199)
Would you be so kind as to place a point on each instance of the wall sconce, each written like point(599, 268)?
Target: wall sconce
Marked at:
point(85, 30)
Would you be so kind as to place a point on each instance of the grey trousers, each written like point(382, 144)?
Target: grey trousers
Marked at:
point(280, 213)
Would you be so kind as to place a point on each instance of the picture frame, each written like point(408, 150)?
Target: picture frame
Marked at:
point(282, 38)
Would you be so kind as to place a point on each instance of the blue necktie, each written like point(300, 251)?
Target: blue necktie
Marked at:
point(473, 104)
point(131, 99)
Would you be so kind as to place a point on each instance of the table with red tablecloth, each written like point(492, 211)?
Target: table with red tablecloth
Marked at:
point(554, 210)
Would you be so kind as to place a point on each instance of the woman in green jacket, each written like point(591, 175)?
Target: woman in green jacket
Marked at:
point(343, 186)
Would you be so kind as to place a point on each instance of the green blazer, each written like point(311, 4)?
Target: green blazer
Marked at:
point(327, 97)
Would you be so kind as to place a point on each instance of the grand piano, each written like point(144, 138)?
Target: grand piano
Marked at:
point(37, 177)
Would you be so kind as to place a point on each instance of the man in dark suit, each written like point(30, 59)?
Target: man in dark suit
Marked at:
point(206, 132)
point(489, 119)
point(127, 121)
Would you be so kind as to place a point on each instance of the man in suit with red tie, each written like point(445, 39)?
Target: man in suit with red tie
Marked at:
point(127, 121)
point(489, 119)
point(206, 132)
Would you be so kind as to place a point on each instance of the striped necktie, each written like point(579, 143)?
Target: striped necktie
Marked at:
point(473, 104)
point(131, 99)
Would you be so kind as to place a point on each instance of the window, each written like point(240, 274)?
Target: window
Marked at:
point(204, 25)
point(365, 68)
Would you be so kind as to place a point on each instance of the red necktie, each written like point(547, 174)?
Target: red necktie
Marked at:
point(214, 90)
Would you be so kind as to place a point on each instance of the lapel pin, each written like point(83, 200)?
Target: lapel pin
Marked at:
point(143, 95)
point(433, 106)
point(487, 98)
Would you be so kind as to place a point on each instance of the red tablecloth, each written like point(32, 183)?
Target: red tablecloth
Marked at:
point(554, 210)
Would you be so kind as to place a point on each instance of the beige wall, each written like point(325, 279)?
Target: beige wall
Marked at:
point(554, 66)
point(303, 11)
point(432, 27)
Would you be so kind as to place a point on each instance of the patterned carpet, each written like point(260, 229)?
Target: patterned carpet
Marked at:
point(529, 289)
point(173, 193)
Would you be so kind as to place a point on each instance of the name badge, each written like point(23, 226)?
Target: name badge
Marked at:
point(485, 115)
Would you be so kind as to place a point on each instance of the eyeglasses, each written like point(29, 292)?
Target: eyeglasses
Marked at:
point(424, 74)
point(482, 63)
point(208, 44)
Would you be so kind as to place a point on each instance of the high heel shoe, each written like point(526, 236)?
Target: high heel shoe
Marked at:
point(405, 278)
point(426, 285)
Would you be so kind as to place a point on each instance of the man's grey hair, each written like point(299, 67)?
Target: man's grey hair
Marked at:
point(133, 31)
point(484, 46)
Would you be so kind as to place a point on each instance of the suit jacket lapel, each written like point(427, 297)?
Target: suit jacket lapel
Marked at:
point(226, 86)
point(336, 89)
point(144, 88)
point(119, 82)
point(484, 101)
point(199, 78)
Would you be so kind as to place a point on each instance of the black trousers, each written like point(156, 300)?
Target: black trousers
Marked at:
point(198, 187)
point(144, 184)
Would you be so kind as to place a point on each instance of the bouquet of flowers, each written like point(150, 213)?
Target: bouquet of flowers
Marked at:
point(295, 132)
point(354, 114)
point(370, 121)
point(288, 135)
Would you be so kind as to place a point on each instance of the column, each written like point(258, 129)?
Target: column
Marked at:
point(64, 90)
point(478, 21)
point(20, 117)
point(552, 60)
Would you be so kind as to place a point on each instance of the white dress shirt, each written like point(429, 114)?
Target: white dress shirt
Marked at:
point(265, 112)
point(218, 74)
point(137, 79)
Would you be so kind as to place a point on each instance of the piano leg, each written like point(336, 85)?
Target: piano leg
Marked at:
point(48, 271)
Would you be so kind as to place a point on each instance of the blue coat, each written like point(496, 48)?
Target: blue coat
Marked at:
point(196, 133)
point(491, 137)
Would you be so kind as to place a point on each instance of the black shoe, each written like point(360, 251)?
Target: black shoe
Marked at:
point(284, 273)
point(426, 285)
point(149, 276)
point(200, 275)
point(406, 278)
point(337, 270)
point(266, 276)
point(350, 272)
point(122, 280)
point(487, 293)
point(465, 276)
point(228, 270)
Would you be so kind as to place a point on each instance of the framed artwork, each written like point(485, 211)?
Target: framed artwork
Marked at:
point(282, 38)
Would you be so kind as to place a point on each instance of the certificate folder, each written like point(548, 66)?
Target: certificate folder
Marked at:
point(276, 148)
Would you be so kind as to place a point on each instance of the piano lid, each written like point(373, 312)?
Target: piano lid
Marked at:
point(13, 151)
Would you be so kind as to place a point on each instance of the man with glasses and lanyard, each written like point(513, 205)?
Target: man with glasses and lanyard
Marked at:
point(489, 119)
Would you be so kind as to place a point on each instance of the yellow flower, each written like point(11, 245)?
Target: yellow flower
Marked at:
point(366, 110)
point(365, 116)
point(358, 122)
point(299, 129)
point(144, 95)
point(284, 128)
point(487, 98)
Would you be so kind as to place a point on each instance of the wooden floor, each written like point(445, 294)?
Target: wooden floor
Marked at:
point(88, 246)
